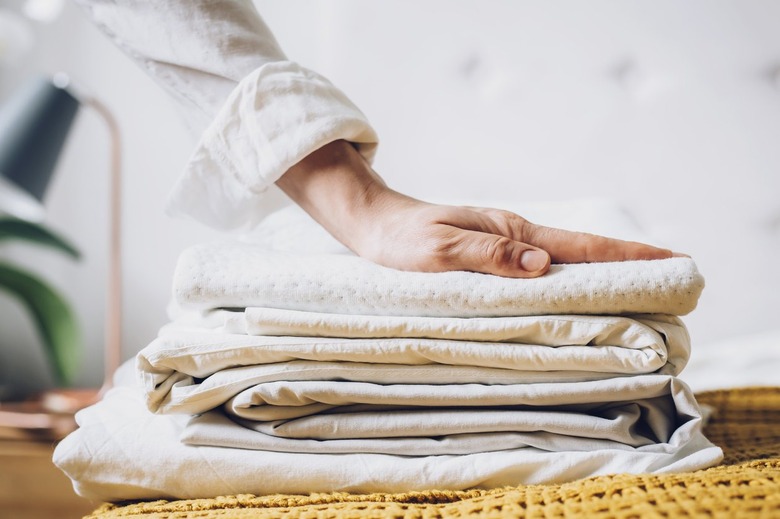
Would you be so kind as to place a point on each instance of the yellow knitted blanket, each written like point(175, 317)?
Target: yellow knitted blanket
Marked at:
point(746, 425)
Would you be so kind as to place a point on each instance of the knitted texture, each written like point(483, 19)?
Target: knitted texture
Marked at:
point(746, 424)
point(236, 275)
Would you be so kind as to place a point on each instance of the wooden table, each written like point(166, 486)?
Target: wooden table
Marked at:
point(31, 487)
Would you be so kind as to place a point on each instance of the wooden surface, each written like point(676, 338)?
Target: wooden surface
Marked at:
point(31, 487)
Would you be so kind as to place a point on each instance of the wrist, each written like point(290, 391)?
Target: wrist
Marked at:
point(338, 188)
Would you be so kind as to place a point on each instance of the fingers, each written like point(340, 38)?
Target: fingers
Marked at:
point(572, 247)
point(493, 254)
point(430, 238)
point(577, 247)
point(563, 246)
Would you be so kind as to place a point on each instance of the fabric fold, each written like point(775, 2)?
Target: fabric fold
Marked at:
point(122, 451)
point(185, 365)
point(276, 116)
point(629, 411)
point(335, 374)
point(235, 275)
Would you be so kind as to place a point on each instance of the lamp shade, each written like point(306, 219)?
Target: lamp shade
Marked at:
point(34, 124)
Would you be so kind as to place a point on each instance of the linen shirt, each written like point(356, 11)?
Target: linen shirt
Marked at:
point(257, 112)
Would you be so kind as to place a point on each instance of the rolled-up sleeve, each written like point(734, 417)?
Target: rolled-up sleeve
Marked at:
point(257, 113)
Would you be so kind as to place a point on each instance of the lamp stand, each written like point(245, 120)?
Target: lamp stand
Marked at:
point(112, 348)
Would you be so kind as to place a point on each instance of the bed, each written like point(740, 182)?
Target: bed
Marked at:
point(745, 422)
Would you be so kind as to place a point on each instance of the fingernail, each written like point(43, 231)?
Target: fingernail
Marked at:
point(679, 255)
point(533, 260)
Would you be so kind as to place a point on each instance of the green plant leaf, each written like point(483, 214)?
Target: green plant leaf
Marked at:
point(14, 228)
point(52, 316)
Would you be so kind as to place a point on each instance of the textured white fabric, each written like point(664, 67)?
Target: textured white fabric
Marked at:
point(218, 430)
point(284, 397)
point(200, 353)
point(257, 112)
point(390, 413)
point(628, 410)
point(122, 451)
point(248, 386)
point(552, 330)
point(405, 413)
point(194, 369)
point(275, 117)
point(229, 274)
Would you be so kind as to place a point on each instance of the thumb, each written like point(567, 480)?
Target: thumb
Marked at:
point(493, 254)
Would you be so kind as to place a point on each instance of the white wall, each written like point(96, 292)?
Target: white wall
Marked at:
point(156, 145)
point(671, 108)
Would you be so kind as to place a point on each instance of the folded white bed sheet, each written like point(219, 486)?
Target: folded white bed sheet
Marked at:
point(230, 274)
point(289, 372)
point(217, 429)
point(634, 331)
point(123, 451)
point(623, 411)
point(394, 395)
point(192, 369)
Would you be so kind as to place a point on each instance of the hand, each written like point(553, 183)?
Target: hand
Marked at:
point(339, 190)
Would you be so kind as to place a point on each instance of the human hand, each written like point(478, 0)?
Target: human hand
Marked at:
point(408, 234)
point(339, 190)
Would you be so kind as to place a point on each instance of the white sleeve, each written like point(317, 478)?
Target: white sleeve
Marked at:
point(258, 112)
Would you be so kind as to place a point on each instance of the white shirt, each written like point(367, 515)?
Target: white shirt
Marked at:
point(257, 112)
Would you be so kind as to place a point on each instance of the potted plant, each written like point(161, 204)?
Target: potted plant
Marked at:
point(53, 319)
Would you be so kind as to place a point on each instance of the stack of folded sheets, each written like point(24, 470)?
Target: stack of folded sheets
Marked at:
point(296, 373)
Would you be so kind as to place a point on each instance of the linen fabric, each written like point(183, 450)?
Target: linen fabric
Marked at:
point(550, 330)
point(616, 413)
point(267, 370)
point(393, 390)
point(217, 429)
point(387, 403)
point(188, 364)
point(746, 484)
point(123, 451)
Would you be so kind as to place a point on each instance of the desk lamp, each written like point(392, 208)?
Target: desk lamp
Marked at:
point(34, 124)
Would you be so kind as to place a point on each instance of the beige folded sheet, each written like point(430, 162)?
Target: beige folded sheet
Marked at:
point(187, 364)
point(329, 416)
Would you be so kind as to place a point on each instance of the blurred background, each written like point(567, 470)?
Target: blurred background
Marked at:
point(669, 108)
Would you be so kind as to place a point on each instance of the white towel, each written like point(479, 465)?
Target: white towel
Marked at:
point(122, 451)
point(240, 275)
